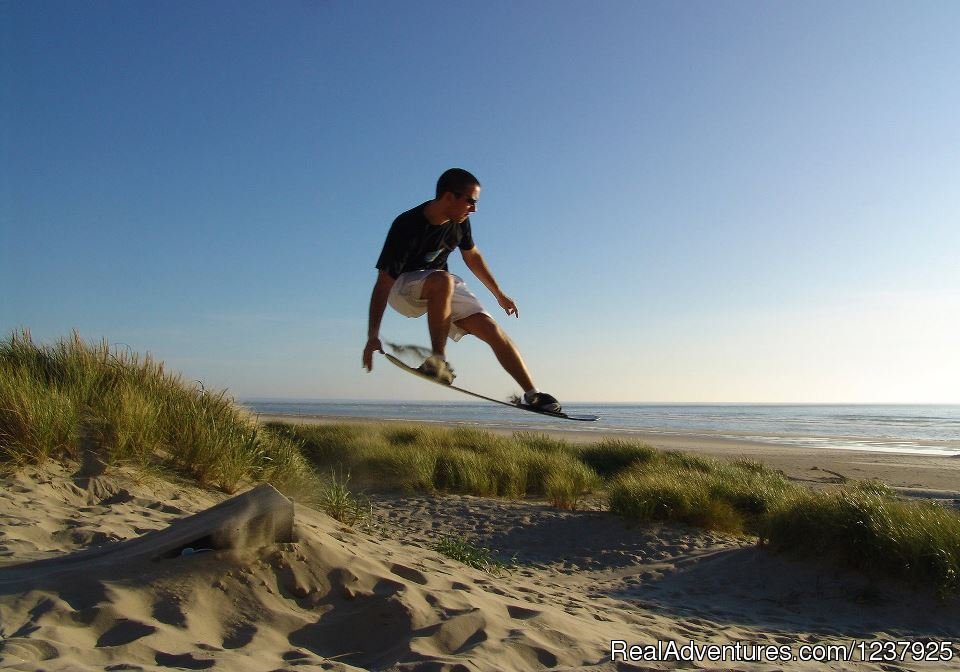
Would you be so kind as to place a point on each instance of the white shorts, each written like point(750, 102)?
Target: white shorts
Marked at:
point(405, 299)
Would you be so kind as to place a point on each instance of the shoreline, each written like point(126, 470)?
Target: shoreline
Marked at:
point(914, 475)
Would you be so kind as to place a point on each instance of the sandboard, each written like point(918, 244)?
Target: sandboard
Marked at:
point(563, 416)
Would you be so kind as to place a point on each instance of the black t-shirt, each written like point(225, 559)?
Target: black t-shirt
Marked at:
point(414, 244)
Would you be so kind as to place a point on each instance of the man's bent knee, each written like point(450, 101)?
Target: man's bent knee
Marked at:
point(438, 283)
point(483, 327)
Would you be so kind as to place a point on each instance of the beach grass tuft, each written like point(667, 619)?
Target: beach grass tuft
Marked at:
point(670, 486)
point(71, 397)
point(461, 460)
point(333, 496)
point(865, 527)
point(610, 457)
point(459, 549)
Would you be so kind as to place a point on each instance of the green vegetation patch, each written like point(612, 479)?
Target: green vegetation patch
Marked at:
point(865, 527)
point(862, 525)
point(63, 399)
point(729, 496)
point(459, 549)
point(437, 459)
point(610, 457)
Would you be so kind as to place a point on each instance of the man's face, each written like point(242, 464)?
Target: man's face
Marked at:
point(463, 204)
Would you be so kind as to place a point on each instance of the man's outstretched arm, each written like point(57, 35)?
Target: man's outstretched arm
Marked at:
point(478, 266)
point(378, 304)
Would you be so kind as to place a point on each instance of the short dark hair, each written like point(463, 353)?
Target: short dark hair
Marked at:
point(456, 181)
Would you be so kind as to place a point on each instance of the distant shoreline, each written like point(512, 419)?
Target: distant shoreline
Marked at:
point(914, 430)
point(933, 476)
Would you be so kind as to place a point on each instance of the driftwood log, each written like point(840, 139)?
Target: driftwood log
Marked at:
point(259, 517)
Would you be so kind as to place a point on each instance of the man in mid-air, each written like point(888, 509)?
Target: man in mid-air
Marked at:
point(413, 277)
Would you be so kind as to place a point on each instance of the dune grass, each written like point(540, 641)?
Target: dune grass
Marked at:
point(63, 399)
point(335, 497)
point(461, 550)
point(729, 496)
point(864, 526)
point(436, 459)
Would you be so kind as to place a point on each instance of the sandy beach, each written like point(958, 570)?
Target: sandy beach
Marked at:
point(579, 584)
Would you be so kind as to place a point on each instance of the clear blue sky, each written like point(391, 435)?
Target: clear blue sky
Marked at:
point(689, 201)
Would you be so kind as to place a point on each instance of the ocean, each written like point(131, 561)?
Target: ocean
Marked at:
point(908, 429)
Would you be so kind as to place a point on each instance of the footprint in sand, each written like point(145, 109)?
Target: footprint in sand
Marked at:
point(462, 632)
point(183, 661)
point(521, 613)
point(239, 636)
point(410, 574)
point(168, 610)
point(124, 632)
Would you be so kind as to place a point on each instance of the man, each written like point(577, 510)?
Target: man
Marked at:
point(413, 278)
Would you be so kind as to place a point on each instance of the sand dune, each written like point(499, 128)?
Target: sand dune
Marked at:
point(342, 599)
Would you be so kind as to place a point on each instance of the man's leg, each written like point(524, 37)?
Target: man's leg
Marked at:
point(487, 330)
point(438, 293)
